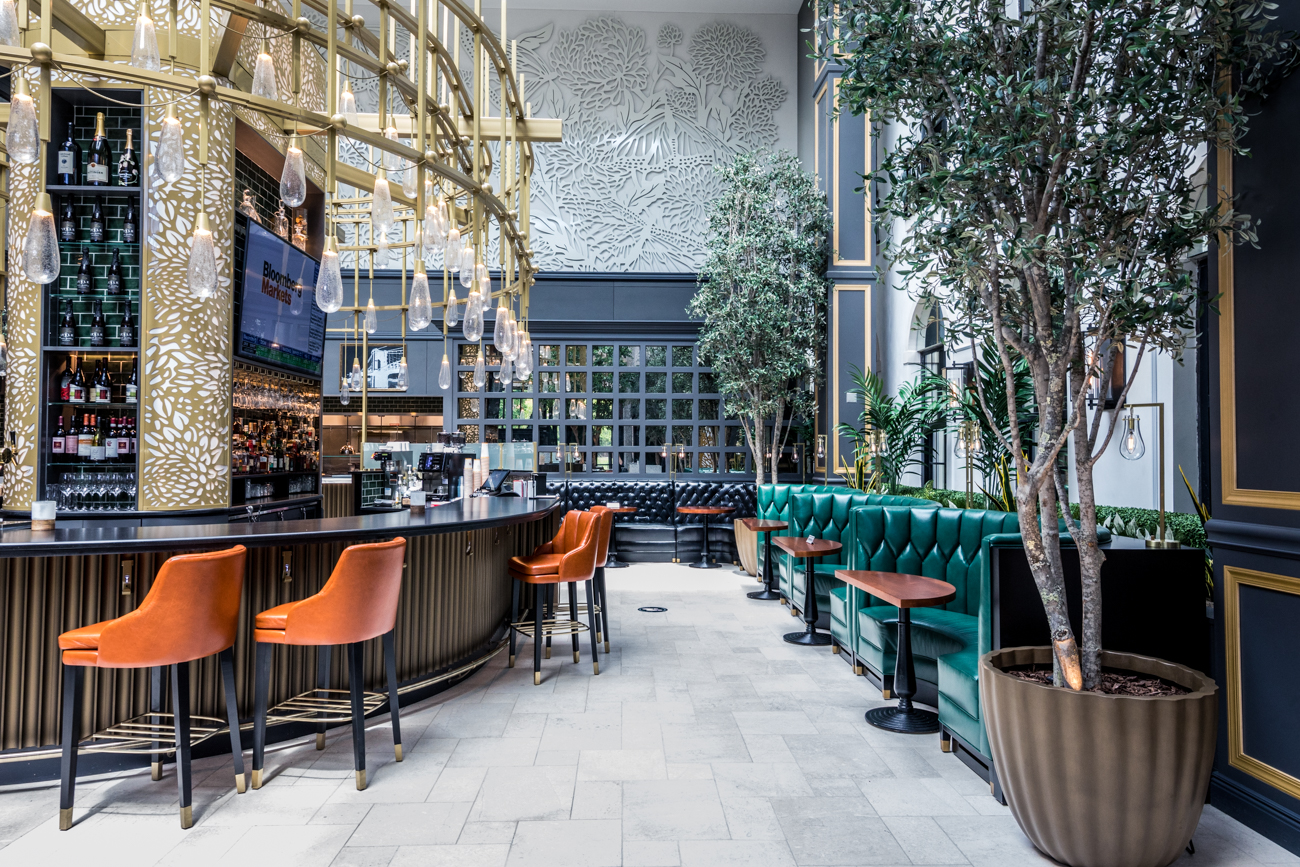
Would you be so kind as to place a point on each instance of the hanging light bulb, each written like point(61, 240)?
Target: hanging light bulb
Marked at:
point(391, 161)
point(401, 372)
point(500, 327)
point(1131, 446)
point(466, 265)
point(9, 33)
point(510, 346)
point(381, 249)
point(473, 301)
point(355, 376)
point(41, 257)
point(440, 222)
point(293, 180)
point(507, 372)
point(480, 371)
point(345, 393)
point(170, 156)
point(473, 324)
point(410, 179)
point(450, 314)
point(451, 253)
point(348, 103)
point(23, 137)
point(524, 357)
point(444, 373)
point(420, 313)
point(144, 47)
point(264, 74)
point(381, 206)
point(203, 260)
point(371, 321)
point(329, 285)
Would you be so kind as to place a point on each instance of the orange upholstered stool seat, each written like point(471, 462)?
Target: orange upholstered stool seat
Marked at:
point(190, 612)
point(357, 603)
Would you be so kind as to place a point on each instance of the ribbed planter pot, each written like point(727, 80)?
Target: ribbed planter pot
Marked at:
point(1101, 780)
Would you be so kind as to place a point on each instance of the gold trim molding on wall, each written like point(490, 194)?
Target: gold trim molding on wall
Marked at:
point(833, 374)
point(834, 186)
point(1233, 578)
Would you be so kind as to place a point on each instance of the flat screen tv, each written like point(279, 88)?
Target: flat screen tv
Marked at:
point(279, 322)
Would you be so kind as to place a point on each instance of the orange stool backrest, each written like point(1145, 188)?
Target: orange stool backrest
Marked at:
point(578, 562)
point(357, 603)
point(602, 534)
point(191, 611)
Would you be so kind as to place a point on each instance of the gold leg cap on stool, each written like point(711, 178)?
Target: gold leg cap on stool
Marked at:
point(607, 646)
point(257, 778)
point(886, 694)
point(599, 638)
point(859, 670)
point(595, 667)
point(548, 652)
point(575, 656)
point(397, 751)
point(945, 745)
point(187, 817)
point(320, 740)
point(361, 781)
point(512, 660)
point(537, 678)
point(65, 819)
point(155, 771)
point(835, 648)
point(240, 785)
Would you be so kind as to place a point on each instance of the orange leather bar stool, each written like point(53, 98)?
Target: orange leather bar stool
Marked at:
point(357, 603)
point(191, 611)
point(602, 554)
point(569, 558)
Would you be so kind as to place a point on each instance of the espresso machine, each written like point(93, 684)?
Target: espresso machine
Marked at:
point(442, 468)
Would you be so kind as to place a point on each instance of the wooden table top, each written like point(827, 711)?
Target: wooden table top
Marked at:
point(905, 591)
point(623, 510)
point(762, 525)
point(705, 510)
point(800, 548)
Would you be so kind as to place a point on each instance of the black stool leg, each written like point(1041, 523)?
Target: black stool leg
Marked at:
point(538, 593)
point(390, 666)
point(323, 655)
point(156, 708)
point(181, 716)
point(514, 618)
point(356, 653)
point(552, 592)
point(74, 681)
point(602, 596)
point(262, 685)
point(573, 615)
point(591, 621)
point(227, 658)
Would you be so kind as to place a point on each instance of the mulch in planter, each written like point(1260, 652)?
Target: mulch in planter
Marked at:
point(1113, 681)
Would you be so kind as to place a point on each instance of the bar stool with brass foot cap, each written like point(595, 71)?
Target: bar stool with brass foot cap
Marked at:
point(569, 558)
point(190, 612)
point(357, 603)
point(604, 534)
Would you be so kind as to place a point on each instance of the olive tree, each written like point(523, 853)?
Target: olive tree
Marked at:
point(762, 296)
point(1043, 188)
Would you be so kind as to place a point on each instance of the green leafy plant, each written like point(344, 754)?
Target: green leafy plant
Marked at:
point(891, 430)
point(762, 296)
point(1041, 181)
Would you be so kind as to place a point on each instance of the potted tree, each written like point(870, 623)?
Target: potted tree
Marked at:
point(762, 296)
point(1044, 188)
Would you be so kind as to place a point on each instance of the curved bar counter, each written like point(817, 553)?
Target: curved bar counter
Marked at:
point(452, 616)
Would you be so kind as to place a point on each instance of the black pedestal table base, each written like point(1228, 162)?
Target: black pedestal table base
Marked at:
point(767, 594)
point(904, 719)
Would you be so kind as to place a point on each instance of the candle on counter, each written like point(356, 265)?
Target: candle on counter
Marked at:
point(43, 514)
point(417, 502)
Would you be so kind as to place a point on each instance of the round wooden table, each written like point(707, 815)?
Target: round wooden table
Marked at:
point(707, 512)
point(613, 562)
point(807, 551)
point(907, 592)
point(761, 525)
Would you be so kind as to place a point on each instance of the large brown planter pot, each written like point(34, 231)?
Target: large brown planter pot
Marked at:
point(1100, 780)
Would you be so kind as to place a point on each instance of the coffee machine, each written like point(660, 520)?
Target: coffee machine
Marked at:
point(442, 468)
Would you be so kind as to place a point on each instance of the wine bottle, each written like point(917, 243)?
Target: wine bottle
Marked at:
point(85, 437)
point(68, 221)
point(133, 384)
point(130, 223)
point(77, 388)
point(105, 385)
point(126, 332)
point(60, 438)
point(70, 438)
point(97, 325)
point(85, 277)
point(110, 441)
point(128, 169)
point(123, 441)
point(97, 221)
point(68, 329)
point(134, 440)
point(68, 168)
point(114, 275)
point(65, 382)
point(97, 444)
point(101, 156)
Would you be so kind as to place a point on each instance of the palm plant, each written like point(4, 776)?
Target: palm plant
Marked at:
point(892, 430)
point(992, 460)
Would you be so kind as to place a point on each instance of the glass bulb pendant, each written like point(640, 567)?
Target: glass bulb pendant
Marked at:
point(348, 103)
point(473, 324)
point(444, 374)
point(371, 322)
point(170, 156)
point(293, 180)
point(41, 256)
point(480, 371)
point(345, 393)
point(381, 206)
point(420, 313)
point(23, 137)
point(500, 327)
point(144, 47)
point(401, 374)
point(510, 346)
point(450, 314)
point(264, 74)
point(467, 265)
point(329, 285)
point(441, 223)
point(410, 179)
point(451, 253)
point(524, 358)
point(203, 260)
point(392, 162)
point(9, 33)
point(507, 372)
point(1131, 446)
point(355, 376)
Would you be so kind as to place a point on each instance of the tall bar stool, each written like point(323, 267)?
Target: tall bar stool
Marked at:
point(191, 611)
point(602, 554)
point(357, 603)
point(569, 558)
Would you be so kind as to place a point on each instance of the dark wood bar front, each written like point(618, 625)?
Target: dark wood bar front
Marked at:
point(452, 614)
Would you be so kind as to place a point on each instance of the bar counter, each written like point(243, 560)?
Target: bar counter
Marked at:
point(452, 615)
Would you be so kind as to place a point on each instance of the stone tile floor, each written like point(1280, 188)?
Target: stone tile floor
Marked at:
point(705, 740)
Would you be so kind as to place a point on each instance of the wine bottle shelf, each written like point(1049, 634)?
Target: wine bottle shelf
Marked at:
point(109, 189)
point(94, 350)
point(276, 475)
point(92, 405)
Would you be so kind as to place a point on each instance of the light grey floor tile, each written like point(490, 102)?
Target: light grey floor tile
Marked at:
point(597, 800)
point(735, 853)
point(774, 723)
point(650, 854)
point(583, 843)
point(486, 832)
point(752, 818)
point(302, 846)
point(673, 810)
point(475, 855)
point(364, 856)
point(841, 830)
point(892, 796)
point(411, 824)
point(494, 753)
point(622, 765)
point(601, 730)
point(923, 840)
point(457, 784)
point(514, 794)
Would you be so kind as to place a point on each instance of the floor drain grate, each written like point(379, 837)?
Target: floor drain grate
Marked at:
point(652, 609)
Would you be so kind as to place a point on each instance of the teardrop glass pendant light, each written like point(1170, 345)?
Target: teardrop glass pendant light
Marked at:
point(264, 74)
point(440, 224)
point(467, 265)
point(501, 327)
point(144, 46)
point(392, 162)
point(451, 253)
point(381, 206)
point(512, 346)
point(473, 324)
point(41, 256)
point(23, 137)
point(401, 373)
point(480, 370)
point(410, 179)
point(355, 377)
point(473, 302)
point(293, 180)
point(203, 260)
point(329, 285)
point(451, 314)
point(420, 312)
point(9, 33)
point(348, 103)
point(524, 357)
point(507, 371)
point(345, 393)
point(371, 321)
point(444, 373)
point(170, 156)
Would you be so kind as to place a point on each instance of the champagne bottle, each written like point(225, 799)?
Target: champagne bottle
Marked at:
point(97, 325)
point(68, 329)
point(70, 438)
point(85, 438)
point(133, 384)
point(97, 221)
point(126, 332)
point(67, 221)
point(68, 169)
point(65, 383)
point(101, 156)
point(130, 223)
point(60, 438)
point(85, 277)
point(114, 275)
point(128, 169)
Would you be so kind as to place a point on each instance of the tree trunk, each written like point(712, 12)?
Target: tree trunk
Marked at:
point(1091, 558)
